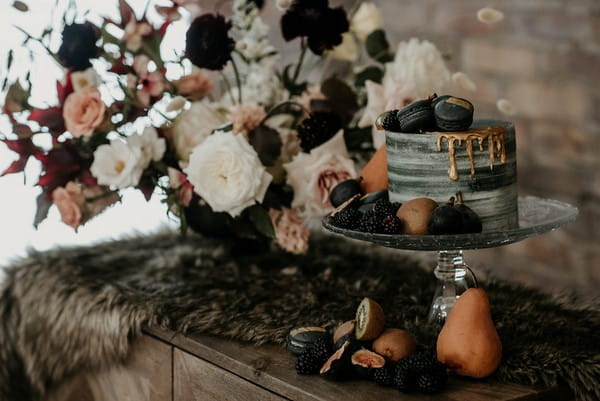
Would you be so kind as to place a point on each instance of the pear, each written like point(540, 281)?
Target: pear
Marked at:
point(469, 343)
point(374, 176)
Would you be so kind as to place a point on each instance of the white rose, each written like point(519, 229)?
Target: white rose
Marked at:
point(313, 175)
point(118, 164)
point(345, 51)
point(366, 20)
point(152, 147)
point(420, 64)
point(193, 126)
point(227, 173)
point(84, 79)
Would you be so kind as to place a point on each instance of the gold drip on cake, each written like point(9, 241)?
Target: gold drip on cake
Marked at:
point(495, 142)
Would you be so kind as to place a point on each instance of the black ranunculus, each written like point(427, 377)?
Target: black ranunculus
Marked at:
point(78, 46)
point(208, 44)
point(259, 3)
point(314, 19)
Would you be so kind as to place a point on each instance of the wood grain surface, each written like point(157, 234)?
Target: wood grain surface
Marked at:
point(145, 376)
point(272, 368)
point(196, 379)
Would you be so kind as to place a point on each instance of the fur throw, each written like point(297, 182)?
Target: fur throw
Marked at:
point(69, 310)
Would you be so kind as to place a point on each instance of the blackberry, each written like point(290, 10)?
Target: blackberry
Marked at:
point(347, 218)
point(433, 381)
point(392, 225)
point(318, 129)
point(422, 361)
point(383, 207)
point(322, 349)
point(370, 223)
point(313, 357)
point(390, 121)
point(308, 364)
point(404, 379)
point(384, 376)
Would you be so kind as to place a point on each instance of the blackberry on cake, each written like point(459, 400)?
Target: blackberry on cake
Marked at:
point(389, 121)
point(384, 207)
point(370, 222)
point(348, 218)
point(391, 224)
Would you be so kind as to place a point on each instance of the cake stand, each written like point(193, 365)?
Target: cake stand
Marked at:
point(536, 216)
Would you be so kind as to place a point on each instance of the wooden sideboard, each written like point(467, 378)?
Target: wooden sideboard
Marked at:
point(164, 366)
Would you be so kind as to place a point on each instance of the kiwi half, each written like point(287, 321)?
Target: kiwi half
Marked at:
point(369, 321)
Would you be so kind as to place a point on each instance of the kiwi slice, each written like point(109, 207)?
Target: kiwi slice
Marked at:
point(369, 320)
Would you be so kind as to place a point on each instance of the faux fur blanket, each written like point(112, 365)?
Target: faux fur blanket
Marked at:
point(70, 310)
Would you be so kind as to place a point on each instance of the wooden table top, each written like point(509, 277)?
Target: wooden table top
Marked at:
point(272, 367)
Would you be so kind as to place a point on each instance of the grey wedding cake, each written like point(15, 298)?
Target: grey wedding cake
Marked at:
point(479, 162)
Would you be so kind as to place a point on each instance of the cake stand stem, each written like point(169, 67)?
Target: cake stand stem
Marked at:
point(452, 273)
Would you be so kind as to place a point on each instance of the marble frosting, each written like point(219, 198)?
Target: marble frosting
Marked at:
point(480, 162)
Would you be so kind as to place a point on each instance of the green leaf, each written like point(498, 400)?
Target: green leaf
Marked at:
point(43, 206)
point(10, 59)
point(261, 220)
point(378, 46)
point(294, 88)
point(371, 73)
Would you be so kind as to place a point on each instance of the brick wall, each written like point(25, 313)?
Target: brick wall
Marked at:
point(545, 58)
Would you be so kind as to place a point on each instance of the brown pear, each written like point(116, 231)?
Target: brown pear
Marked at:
point(469, 343)
point(374, 176)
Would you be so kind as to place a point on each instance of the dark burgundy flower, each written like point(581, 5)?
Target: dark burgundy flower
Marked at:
point(78, 46)
point(314, 19)
point(208, 44)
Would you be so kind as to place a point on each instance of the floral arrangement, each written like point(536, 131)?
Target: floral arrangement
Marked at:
point(237, 142)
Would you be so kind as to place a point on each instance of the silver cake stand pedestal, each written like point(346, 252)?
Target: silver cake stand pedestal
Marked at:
point(536, 216)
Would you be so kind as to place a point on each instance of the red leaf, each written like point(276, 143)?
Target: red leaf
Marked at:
point(17, 166)
point(64, 90)
point(126, 12)
point(147, 187)
point(163, 27)
point(88, 179)
point(24, 147)
point(51, 118)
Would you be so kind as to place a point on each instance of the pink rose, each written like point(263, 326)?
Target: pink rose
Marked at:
point(78, 204)
point(291, 233)
point(246, 117)
point(70, 202)
point(313, 175)
point(194, 86)
point(83, 112)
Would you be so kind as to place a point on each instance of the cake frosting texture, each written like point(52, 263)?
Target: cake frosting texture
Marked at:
point(480, 162)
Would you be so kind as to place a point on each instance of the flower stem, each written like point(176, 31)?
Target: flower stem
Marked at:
point(300, 60)
point(279, 106)
point(227, 86)
point(237, 79)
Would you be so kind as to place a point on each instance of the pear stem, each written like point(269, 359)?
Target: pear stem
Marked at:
point(459, 198)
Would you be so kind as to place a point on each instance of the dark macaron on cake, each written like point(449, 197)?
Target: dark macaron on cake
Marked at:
point(417, 116)
point(452, 113)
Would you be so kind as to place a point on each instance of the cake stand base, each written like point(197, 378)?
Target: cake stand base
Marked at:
point(455, 277)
